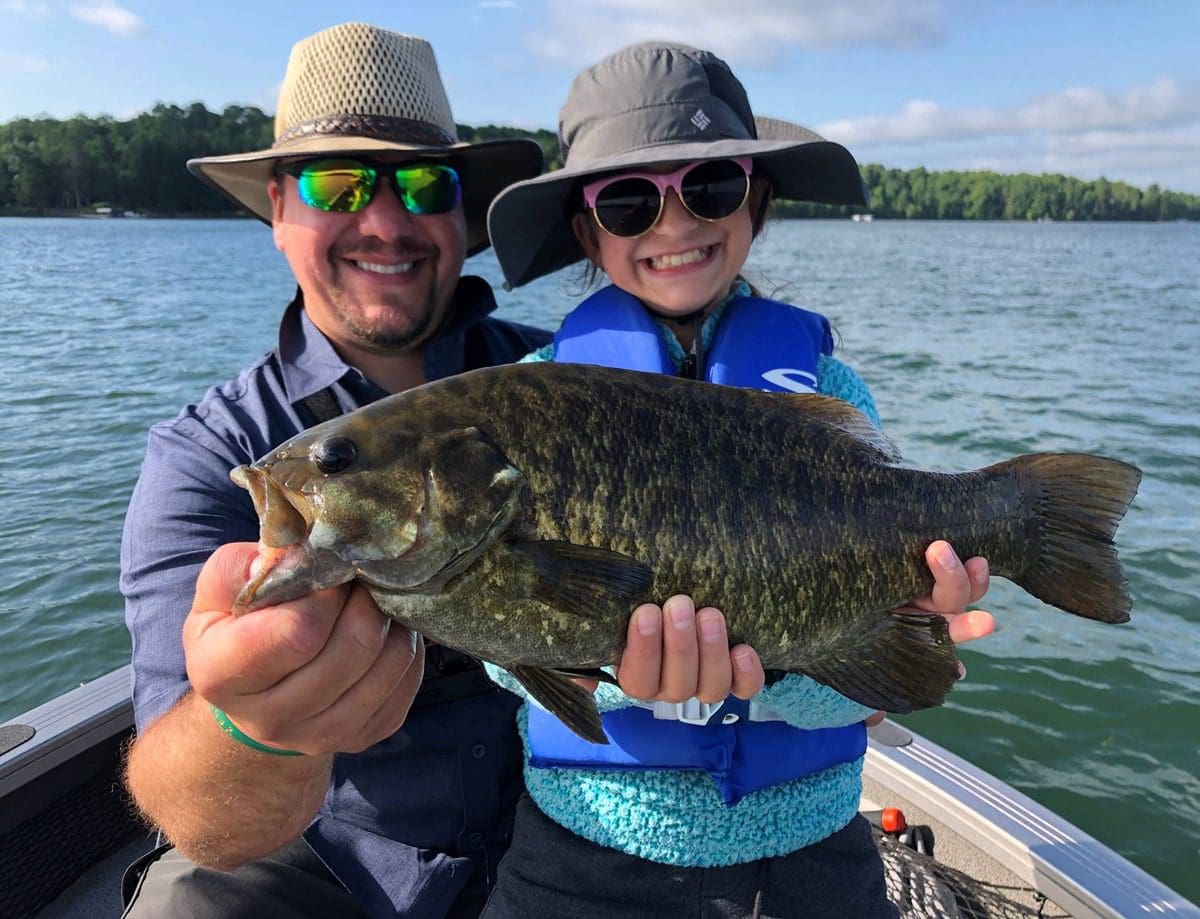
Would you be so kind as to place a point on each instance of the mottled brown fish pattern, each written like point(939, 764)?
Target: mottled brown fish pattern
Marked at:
point(521, 513)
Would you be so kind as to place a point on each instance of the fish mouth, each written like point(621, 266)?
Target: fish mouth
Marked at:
point(291, 568)
point(285, 516)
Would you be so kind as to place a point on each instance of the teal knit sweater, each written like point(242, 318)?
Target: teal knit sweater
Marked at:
point(678, 817)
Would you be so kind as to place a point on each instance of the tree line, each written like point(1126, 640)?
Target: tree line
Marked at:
point(918, 194)
point(83, 163)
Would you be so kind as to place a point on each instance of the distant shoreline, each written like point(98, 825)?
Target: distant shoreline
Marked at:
point(88, 215)
point(73, 167)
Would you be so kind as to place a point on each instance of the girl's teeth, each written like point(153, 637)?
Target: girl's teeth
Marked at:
point(385, 269)
point(680, 258)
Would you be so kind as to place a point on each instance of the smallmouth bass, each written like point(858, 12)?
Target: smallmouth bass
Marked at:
point(520, 513)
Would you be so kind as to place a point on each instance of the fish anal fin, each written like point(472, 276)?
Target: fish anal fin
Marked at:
point(908, 663)
point(566, 700)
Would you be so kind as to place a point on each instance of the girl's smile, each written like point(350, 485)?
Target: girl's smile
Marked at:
point(678, 267)
point(686, 259)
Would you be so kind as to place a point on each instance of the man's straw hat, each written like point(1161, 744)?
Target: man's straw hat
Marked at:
point(358, 89)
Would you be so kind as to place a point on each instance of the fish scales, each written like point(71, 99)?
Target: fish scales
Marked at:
point(521, 513)
point(680, 521)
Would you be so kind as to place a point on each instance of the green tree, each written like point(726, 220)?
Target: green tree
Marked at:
point(139, 164)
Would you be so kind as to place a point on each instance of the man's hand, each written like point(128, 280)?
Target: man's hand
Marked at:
point(322, 674)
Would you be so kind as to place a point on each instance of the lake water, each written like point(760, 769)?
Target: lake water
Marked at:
point(980, 341)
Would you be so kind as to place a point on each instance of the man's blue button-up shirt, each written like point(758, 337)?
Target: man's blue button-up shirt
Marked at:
point(406, 823)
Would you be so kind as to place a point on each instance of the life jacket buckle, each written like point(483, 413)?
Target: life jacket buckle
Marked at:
point(692, 711)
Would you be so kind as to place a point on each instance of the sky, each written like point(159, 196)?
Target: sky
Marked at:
point(1089, 89)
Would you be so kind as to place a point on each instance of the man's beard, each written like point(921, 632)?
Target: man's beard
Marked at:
point(391, 340)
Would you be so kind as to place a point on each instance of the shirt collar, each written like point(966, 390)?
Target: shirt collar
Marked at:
point(309, 362)
point(445, 355)
point(306, 358)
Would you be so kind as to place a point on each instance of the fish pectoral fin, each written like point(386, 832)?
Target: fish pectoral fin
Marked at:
point(590, 582)
point(569, 702)
point(908, 663)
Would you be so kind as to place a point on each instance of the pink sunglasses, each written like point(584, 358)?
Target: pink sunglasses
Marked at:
point(628, 204)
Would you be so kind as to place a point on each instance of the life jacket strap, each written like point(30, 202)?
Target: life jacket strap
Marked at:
point(740, 756)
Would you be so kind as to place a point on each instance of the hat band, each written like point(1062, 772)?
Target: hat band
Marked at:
point(680, 121)
point(376, 127)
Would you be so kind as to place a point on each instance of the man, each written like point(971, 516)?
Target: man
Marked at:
point(312, 759)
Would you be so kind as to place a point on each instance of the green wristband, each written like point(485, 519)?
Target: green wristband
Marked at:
point(245, 739)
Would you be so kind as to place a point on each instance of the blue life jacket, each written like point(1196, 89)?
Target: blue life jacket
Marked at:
point(740, 755)
point(760, 344)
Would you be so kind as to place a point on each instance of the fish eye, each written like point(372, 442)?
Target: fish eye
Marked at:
point(333, 454)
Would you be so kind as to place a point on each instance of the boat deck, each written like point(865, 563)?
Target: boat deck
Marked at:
point(67, 832)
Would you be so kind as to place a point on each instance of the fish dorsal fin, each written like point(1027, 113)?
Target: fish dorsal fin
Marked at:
point(566, 700)
point(842, 416)
point(582, 580)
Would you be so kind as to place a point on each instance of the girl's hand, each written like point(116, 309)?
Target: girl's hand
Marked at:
point(676, 652)
point(955, 587)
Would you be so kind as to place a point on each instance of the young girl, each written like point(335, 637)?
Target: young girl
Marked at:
point(730, 808)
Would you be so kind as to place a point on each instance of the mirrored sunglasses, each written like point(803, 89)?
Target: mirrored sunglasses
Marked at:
point(346, 186)
point(630, 203)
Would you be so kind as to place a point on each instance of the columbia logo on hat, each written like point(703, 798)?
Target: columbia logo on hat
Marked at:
point(701, 120)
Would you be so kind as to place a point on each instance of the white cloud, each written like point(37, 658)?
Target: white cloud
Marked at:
point(1141, 134)
point(1068, 111)
point(1153, 146)
point(498, 5)
point(918, 120)
point(26, 8)
point(1169, 157)
point(109, 16)
point(1161, 102)
point(742, 31)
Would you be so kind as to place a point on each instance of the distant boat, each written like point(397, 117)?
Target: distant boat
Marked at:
point(862, 218)
point(105, 210)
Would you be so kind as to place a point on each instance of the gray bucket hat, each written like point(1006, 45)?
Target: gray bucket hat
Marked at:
point(356, 89)
point(651, 103)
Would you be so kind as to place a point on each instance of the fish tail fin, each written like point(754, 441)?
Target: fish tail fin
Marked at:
point(907, 662)
point(1081, 501)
